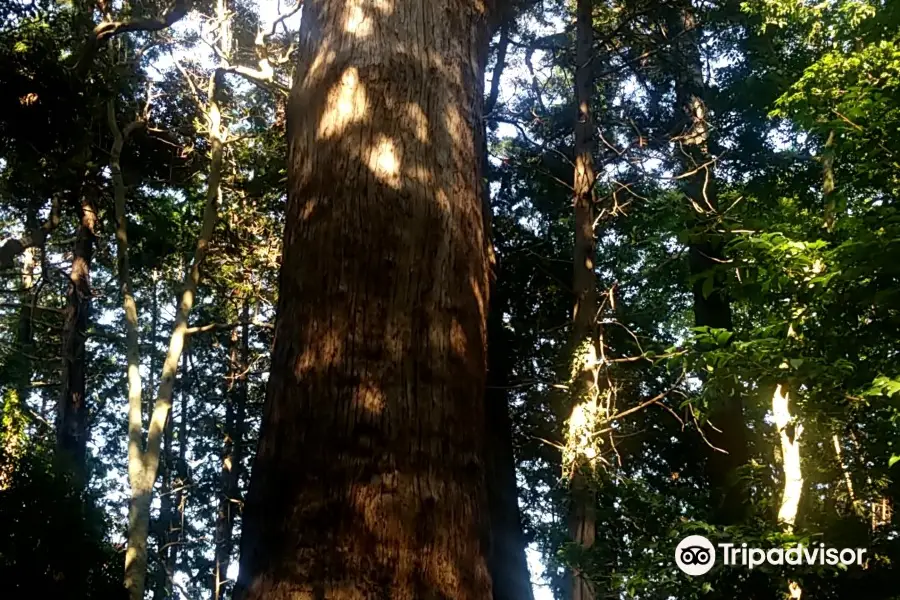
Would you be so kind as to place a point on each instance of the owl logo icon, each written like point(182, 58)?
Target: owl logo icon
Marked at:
point(695, 555)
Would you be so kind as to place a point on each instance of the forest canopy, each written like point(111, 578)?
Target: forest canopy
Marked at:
point(445, 300)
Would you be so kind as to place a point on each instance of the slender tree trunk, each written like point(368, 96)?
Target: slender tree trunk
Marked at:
point(180, 475)
point(369, 475)
point(12, 415)
point(712, 307)
point(855, 503)
point(143, 464)
point(163, 584)
point(584, 388)
point(22, 362)
point(163, 530)
point(506, 560)
point(229, 492)
point(789, 431)
point(789, 436)
point(828, 183)
point(72, 411)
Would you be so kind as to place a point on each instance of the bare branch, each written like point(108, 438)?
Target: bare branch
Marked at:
point(109, 29)
point(12, 248)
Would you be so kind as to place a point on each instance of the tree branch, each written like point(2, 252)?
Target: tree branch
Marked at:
point(12, 248)
point(109, 29)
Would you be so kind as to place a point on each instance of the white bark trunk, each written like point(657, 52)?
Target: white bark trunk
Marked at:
point(790, 461)
point(790, 456)
point(143, 465)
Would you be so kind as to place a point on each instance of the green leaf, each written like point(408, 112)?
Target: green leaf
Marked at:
point(707, 288)
point(722, 336)
point(893, 460)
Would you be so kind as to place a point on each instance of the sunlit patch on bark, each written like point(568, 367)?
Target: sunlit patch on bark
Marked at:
point(357, 22)
point(458, 340)
point(419, 174)
point(370, 398)
point(347, 103)
point(418, 120)
point(328, 351)
point(384, 162)
point(308, 209)
point(324, 57)
point(457, 128)
point(359, 19)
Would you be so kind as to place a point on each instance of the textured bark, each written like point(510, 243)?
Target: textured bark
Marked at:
point(582, 500)
point(72, 410)
point(232, 451)
point(711, 309)
point(369, 475)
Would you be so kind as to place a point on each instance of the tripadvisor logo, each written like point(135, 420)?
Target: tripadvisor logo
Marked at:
point(696, 555)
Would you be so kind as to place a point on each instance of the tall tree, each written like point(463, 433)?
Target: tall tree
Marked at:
point(586, 362)
point(506, 559)
point(726, 429)
point(232, 448)
point(369, 474)
point(72, 417)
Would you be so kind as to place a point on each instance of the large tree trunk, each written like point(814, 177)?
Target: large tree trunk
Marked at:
point(712, 307)
point(232, 451)
point(369, 475)
point(72, 415)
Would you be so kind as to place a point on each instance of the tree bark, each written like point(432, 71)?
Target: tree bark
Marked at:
point(72, 410)
point(369, 475)
point(584, 389)
point(232, 451)
point(712, 307)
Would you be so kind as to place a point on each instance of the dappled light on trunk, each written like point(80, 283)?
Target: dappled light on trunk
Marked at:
point(369, 475)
